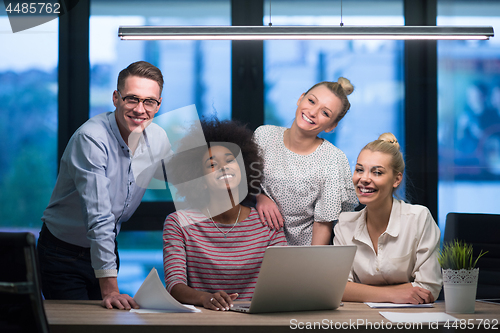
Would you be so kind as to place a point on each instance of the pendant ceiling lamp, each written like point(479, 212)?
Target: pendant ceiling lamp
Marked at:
point(302, 32)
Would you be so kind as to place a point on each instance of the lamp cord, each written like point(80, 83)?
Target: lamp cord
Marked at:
point(341, 23)
point(270, 2)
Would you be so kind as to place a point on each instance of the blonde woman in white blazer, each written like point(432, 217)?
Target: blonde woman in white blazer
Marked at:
point(398, 243)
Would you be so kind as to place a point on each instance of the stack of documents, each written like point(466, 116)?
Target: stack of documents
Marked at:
point(152, 297)
point(394, 305)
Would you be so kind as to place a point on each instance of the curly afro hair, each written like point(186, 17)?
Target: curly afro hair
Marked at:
point(185, 169)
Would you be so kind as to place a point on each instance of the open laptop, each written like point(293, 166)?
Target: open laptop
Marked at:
point(300, 278)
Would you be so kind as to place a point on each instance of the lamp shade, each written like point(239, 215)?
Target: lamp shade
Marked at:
point(302, 32)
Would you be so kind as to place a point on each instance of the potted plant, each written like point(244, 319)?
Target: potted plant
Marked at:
point(460, 276)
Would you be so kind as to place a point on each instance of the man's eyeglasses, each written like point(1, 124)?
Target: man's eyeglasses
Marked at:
point(150, 104)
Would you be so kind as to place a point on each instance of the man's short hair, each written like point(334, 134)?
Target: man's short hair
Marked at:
point(141, 69)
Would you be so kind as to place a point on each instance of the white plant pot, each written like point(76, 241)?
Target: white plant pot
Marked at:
point(460, 288)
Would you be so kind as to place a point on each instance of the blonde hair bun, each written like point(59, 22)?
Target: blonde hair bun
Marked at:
point(389, 137)
point(346, 85)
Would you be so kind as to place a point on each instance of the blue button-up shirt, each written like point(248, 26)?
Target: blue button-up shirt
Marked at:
point(97, 189)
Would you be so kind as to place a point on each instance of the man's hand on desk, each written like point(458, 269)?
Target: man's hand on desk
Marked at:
point(111, 296)
point(119, 301)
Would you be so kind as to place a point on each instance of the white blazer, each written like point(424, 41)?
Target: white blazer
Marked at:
point(407, 251)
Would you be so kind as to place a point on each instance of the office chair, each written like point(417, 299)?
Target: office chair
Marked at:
point(21, 306)
point(482, 231)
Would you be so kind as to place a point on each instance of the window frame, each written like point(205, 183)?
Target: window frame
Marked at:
point(248, 95)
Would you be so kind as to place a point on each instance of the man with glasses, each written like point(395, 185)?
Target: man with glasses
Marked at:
point(103, 175)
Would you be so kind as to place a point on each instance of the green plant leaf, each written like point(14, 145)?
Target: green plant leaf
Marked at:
point(458, 255)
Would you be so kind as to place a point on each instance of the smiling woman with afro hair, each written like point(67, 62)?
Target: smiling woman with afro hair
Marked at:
point(187, 176)
point(213, 249)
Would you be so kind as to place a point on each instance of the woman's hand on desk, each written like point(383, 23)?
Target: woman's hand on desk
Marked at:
point(412, 295)
point(218, 301)
point(404, 293)
point(269, 212)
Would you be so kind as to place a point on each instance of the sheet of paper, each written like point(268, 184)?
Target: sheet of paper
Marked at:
point(393, 305)
point(420, 317)
point(152, 297)
point(162, 311)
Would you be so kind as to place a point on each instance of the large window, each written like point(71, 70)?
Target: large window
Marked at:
point(469, 112)
point(199, 73)
point(28, 132)
point(375, 68)
point(195, 72)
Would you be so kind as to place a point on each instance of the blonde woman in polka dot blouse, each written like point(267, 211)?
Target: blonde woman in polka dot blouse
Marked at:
point(307, 180)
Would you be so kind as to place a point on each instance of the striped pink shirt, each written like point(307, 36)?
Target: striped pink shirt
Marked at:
point(196, 253)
